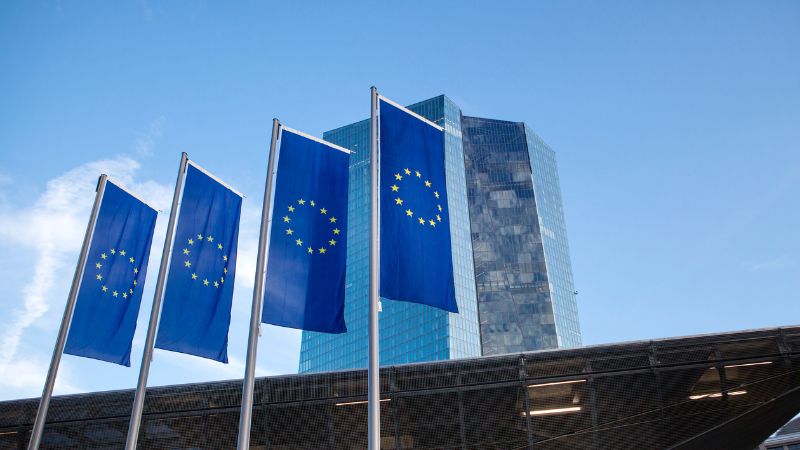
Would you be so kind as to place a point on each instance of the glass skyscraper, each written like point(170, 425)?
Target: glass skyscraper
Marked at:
point(523, 272)
point(513, 286)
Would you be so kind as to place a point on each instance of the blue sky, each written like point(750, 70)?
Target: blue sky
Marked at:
point(675, 126)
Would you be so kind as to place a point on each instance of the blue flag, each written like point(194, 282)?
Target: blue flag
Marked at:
point(110, 292)
point(304, 287)
point(416, 257)
point(196, 313)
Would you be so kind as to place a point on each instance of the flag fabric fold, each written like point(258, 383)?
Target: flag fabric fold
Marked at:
point(107, 305)
point(196, 311)
point(415, 253)
point(305, 276)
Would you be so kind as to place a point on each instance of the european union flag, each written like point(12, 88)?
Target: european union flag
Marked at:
point(304, 286)
point(196, 313)
point(416, 257)
point(111, 287)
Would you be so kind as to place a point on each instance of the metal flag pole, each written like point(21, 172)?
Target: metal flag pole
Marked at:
point(373, 373)
point(246, 415)
point(147, 356)
point(47, 392)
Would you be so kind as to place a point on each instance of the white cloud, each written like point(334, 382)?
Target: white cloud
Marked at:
point(767, 266)
point(208, 369)
point(25, 378)
point(146, 142)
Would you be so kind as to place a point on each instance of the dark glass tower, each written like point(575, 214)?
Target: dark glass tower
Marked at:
point(511, 261)
point(523, 273)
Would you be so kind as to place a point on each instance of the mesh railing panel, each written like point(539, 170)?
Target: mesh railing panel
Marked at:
point(632, 396)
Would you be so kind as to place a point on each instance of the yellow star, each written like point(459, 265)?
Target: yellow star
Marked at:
point(98, 265)
point(124, 295)
point(103, 256)
point(222, 279)
point(416, 172)
point(191, 241)
point(187, 264)
point(301, 202)
point(104, 289)
point(219, 246)
point(333, 219)
point(205, 281)
point(131, 259)
point(194, 276)
point(427, 183)
point(395, 188)
point(225, 269)
point(289, 231)
point(322, 250)
point(298, 241)
point(199, 237)
point(312, 203)
point(439, 206)
point(99, 277)
point(115, 293)
point(408, 172)
point(433, 224)
point(335, 231)
point(130, 290)
point(186, 251)
point(291, 208)
point(310, 250)
point(323, 211)
point(421, 221)
point(210, 238)
point(224, 257)
point(113, 252)
point(122, 253)
point(398, 201)
point(286, 219)
point(439, 218)
point(216, 285)
point(332, 242)
point(134, 282)
point(436, 194)
point(409, 213)
point(135, 270)
point(398, 177)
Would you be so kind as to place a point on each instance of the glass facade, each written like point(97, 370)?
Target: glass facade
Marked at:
point(510, 254)
point(408, 332)
point(523, 273)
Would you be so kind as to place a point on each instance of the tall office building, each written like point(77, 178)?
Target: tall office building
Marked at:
point(523, 274)
point(511, 261)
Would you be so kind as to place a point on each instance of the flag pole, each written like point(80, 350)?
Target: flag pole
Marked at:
point(246, 415)
point(373, 373)
point(147, 356)
point(47, 392)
